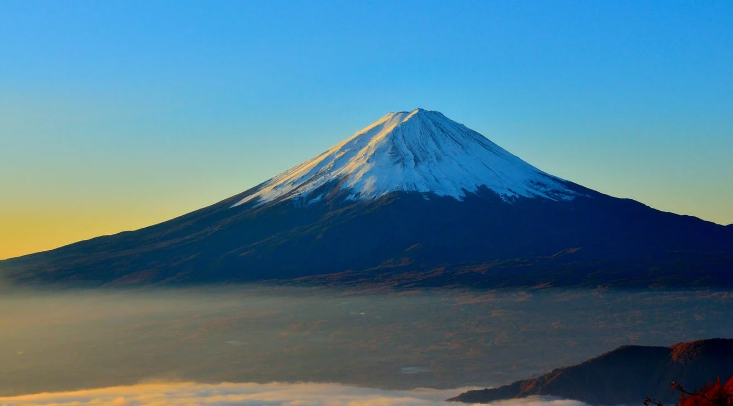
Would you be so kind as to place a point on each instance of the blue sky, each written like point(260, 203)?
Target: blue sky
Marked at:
point(115, 115)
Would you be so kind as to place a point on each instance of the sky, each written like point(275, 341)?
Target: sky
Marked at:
point(116, 115)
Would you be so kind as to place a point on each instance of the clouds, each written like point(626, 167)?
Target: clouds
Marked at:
point(252, 394)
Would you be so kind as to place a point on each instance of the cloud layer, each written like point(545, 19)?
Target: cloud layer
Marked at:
point(251, 394)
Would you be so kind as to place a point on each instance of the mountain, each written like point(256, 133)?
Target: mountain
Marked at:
point(414, 199)
point(626, 375)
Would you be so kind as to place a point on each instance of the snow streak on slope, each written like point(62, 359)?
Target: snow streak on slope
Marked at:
point(418, 151)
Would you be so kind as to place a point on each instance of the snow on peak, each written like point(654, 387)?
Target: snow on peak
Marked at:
point(417, 151)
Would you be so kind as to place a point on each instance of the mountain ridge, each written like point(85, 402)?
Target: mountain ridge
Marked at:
point(625, 375)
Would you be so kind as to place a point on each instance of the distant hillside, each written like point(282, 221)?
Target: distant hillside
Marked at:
point(626, 375)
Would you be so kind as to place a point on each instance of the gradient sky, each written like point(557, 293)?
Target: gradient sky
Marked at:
point(115, 115)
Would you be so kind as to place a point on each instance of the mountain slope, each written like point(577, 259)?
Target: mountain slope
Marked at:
point(413, 199)
point(626, 375)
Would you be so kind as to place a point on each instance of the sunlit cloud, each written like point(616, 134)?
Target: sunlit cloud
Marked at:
point(252, 394)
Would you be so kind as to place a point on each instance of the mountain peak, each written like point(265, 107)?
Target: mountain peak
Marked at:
point(419, 114)
point(417, 110)
point(417, 151)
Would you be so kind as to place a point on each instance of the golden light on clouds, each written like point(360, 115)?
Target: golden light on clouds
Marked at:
point(252, 394)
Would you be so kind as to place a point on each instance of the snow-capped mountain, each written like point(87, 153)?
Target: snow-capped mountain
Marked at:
point(413, 199)
point(417, 151)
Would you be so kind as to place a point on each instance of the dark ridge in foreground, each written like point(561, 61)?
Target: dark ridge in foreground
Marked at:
point(626, 375)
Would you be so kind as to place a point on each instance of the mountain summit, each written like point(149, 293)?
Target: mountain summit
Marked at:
point(414, 199)
point(418, 151)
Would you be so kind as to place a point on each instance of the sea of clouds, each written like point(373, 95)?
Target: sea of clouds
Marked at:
point(252, 394)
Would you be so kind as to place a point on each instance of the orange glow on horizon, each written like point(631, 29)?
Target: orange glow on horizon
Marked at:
point(24, 233)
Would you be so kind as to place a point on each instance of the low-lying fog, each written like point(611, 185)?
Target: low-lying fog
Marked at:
point(438, 339)
point(250, 394)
